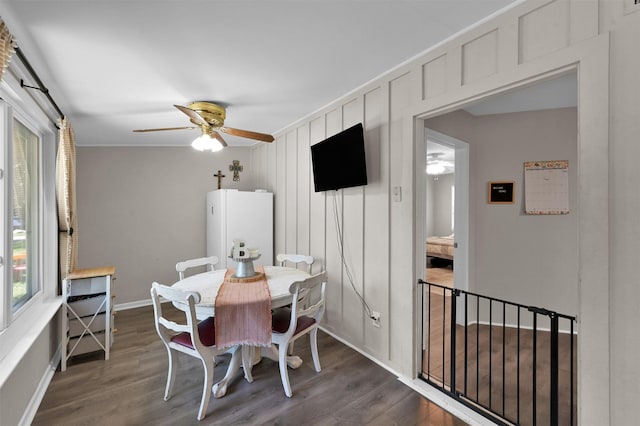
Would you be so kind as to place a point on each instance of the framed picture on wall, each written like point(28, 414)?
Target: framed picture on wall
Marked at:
point(502, 192)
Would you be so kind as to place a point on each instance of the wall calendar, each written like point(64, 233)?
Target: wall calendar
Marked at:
point(546, 186)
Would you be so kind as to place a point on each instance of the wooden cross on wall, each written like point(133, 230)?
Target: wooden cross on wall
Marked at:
point(219, 175)
point(236, 168)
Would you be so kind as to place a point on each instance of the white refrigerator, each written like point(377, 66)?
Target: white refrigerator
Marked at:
point(244, 215)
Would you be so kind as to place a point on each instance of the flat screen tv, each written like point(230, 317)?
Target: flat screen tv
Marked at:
point(339, 161)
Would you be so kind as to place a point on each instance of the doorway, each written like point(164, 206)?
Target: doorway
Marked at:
point(457, 322)
point(446, 187)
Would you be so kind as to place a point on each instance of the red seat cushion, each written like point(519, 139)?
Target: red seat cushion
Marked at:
point(281, 318)
point(206, 330)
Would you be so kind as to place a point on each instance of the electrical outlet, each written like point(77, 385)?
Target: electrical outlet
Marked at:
point(375, 319)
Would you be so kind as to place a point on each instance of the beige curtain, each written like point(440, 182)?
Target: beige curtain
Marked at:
point(7, 47)
point(66, 197)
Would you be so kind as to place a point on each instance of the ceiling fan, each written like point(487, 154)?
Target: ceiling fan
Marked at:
point(209, 118)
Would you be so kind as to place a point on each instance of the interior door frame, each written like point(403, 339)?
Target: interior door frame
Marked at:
point(591, 59)
point(461, 213)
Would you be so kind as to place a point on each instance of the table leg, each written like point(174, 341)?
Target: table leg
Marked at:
point(248, 361)
point(245, 355)
point(220, 389)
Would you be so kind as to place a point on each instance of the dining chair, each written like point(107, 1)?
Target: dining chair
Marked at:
point(196, 339)
point(210, 262)
point(303, 317)
point(295, 258)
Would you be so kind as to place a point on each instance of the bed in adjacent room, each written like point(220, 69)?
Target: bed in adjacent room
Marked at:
point(440, 247)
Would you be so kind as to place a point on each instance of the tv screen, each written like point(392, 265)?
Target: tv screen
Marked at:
point(339, 161)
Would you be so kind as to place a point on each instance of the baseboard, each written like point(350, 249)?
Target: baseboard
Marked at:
point(454, 407)
point(37, 397)
point(360, 351)
point(132, 305)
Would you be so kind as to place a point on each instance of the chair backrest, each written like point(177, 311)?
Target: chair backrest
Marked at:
point(308, 298)
point(210, 262)
point(295, 258)
point(167, 328)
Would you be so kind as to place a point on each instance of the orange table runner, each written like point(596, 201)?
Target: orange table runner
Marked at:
point(243, 312)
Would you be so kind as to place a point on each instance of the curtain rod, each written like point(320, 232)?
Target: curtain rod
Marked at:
point(41, 87)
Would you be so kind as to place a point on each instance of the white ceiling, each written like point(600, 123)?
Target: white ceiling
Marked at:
point(114, 66)
point(559, 92)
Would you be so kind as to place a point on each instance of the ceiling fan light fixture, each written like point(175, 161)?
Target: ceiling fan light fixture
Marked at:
point(206, 142)
point(210, 118)
point(435, 169)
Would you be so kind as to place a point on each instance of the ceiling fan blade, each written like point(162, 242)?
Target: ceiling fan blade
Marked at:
point(247, 134)
point(166, 128)
point(219, 137)
point(194, 116)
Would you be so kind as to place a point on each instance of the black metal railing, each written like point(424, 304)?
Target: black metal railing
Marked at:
point(512, 363)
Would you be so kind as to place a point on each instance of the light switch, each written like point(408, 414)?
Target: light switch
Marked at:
point(397, 194)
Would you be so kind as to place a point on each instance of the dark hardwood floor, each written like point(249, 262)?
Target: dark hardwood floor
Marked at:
point(128, 389)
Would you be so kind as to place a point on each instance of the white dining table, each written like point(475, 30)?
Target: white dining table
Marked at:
point(208, 283)
point(279, 278)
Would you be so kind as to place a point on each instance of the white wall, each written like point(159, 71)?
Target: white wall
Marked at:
point(439, 221)
point(430, 206)
point(19, 394)
point(531, 41)
point(143, 209)
point(624, 206)
point(526, 259)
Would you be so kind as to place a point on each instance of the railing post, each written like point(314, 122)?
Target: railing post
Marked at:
point(454, 296)
point(553, 361)
point(553, 421)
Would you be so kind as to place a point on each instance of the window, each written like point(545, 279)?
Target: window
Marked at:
point(23, 194)
point(29, 297)
point(25, 214)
